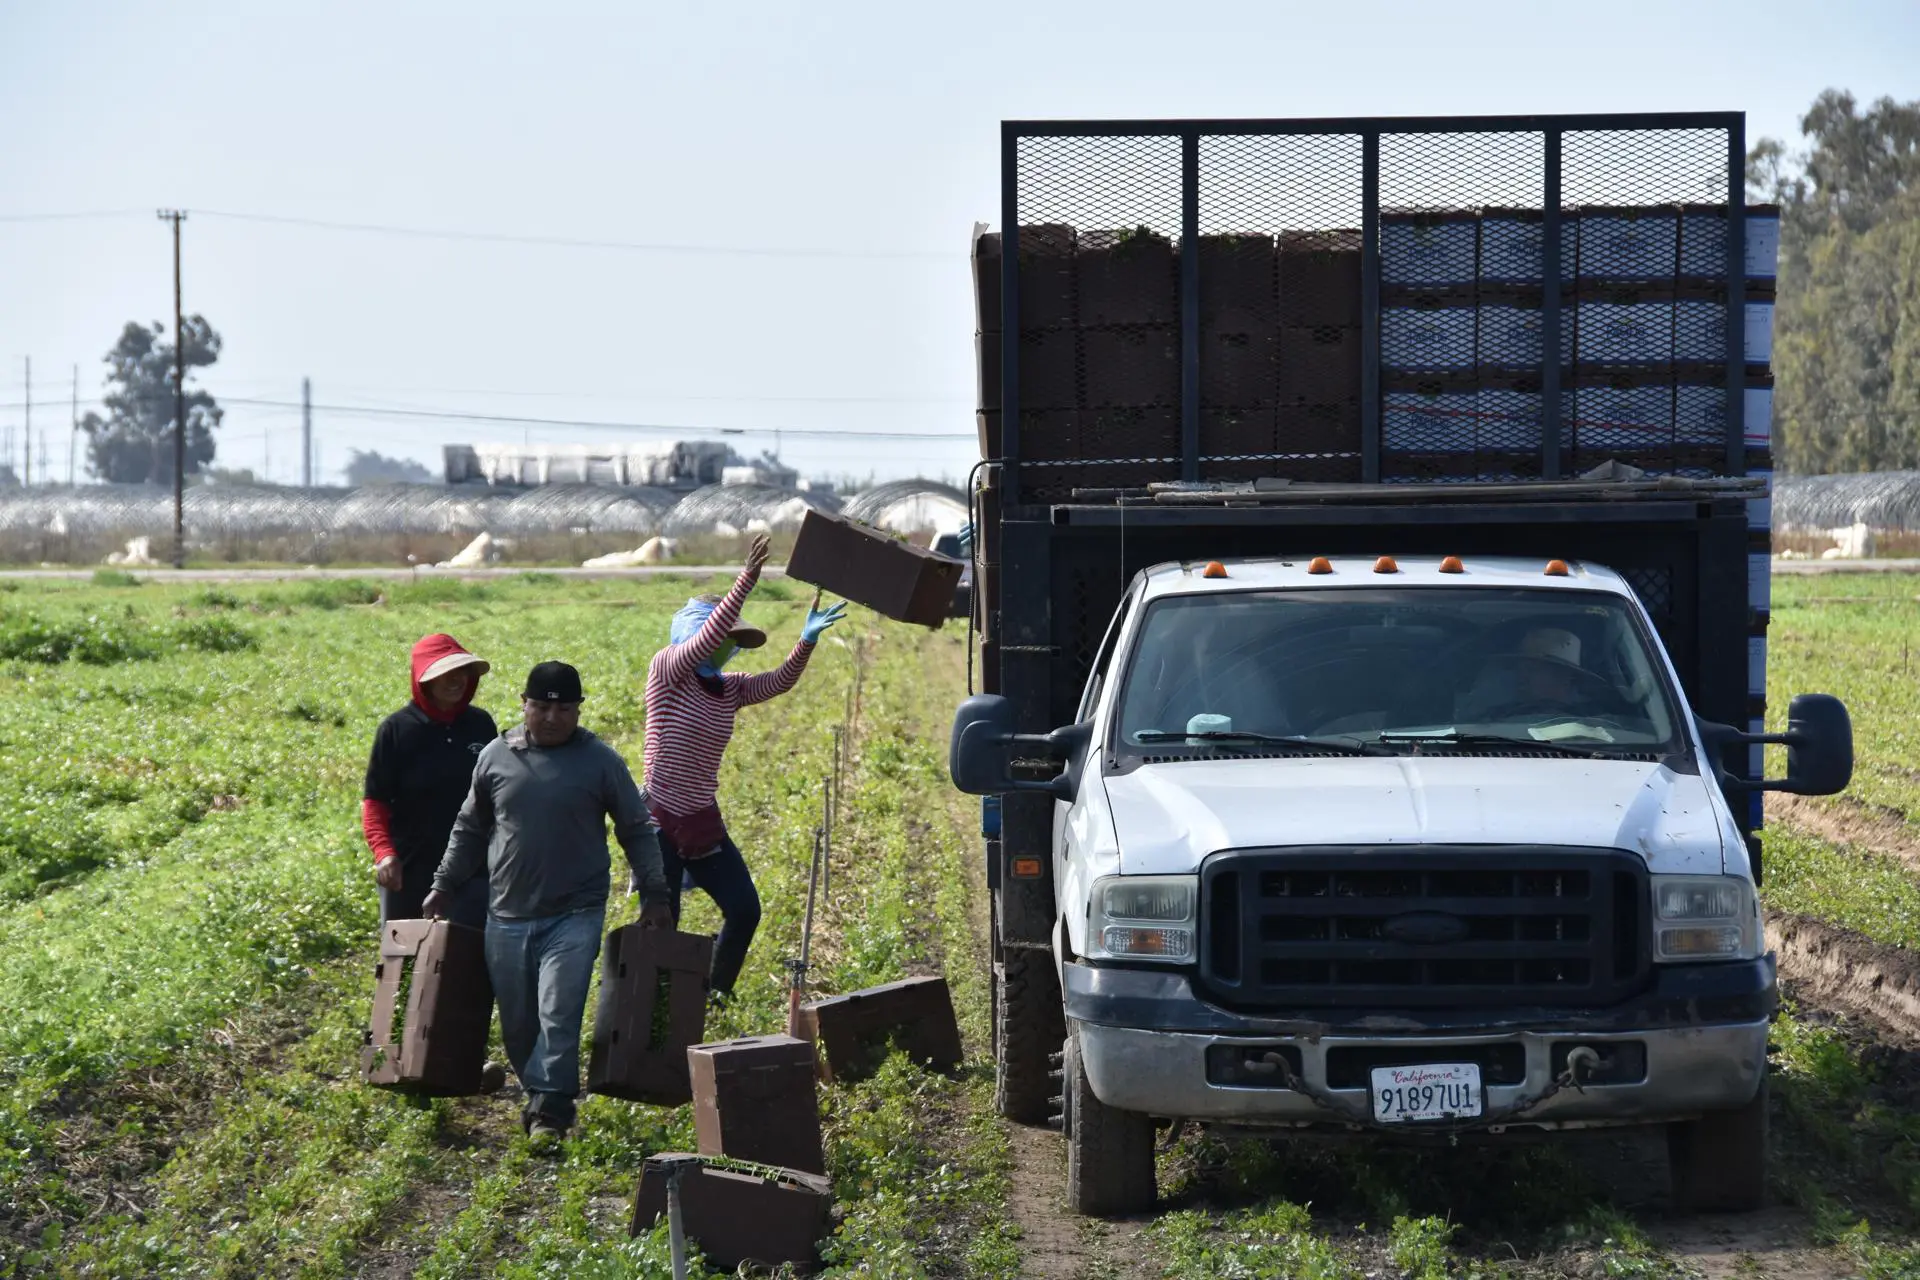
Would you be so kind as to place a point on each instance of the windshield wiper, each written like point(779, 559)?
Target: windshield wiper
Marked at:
point(1492, 740)
point(1233, 736)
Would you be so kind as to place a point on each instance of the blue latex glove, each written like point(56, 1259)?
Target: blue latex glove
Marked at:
point(818, 619)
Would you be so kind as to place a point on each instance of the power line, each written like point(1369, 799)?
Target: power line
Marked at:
point(570, 242)
point(70, 217)
point(586, 424)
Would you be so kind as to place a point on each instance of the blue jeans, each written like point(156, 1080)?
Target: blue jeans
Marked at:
point(541, 969)
point(724, 876)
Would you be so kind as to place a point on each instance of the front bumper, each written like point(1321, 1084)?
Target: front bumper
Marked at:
point(1144, 1039)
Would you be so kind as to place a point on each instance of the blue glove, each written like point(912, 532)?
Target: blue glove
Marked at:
point(818, 620)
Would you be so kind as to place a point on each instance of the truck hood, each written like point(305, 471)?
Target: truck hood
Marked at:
point(1167, 817)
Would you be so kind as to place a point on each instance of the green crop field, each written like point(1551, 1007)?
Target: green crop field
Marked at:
point(186, 928)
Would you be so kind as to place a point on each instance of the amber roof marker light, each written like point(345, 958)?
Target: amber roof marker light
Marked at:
point(1385, 564)
point(1214, 569)
point(1320, 565)
point(1452, 565)
point(1558, 569)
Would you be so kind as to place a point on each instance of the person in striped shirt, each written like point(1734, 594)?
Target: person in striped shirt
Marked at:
point(691, 705)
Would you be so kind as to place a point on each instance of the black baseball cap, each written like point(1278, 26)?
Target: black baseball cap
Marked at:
point(553, 682)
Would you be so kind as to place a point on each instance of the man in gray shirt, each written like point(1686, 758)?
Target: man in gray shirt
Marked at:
point(535, 825)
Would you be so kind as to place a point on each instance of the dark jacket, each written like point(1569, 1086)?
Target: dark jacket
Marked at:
point(420, 769)
point(535, 824)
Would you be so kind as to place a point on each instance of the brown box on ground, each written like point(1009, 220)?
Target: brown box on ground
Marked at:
point(432, 1006)
point(1137, 366)
point(853, 1031)
point(1319, 278)
point(653, 1005)
point(753, 1099)
point(1319, 365)
point(1238, 283)
point(907, 583)
point(1126, 277)
point(767, 1216)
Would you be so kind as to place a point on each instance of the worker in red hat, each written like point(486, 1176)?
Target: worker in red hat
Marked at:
point(417, 777)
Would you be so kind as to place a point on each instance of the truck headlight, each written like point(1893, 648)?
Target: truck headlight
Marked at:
point(1143, 918)
point(1704, 918)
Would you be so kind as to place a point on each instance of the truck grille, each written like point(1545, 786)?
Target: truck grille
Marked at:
point(1433, 926)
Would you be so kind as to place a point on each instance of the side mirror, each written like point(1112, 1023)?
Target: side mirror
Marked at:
point(1819, 743)
point(1819, 740)
point(980, 752)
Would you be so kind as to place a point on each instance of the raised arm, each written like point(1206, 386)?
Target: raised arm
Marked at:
point(771, 684)
point(679, 662)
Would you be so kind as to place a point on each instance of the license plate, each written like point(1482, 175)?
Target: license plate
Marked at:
point(1439, 1091)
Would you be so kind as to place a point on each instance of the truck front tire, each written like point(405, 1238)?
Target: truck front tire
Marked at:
point(1109, 1151)
point(1719, 1162)
point(1027, 1025)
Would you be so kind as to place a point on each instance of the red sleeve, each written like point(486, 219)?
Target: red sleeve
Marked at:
point(376, 821)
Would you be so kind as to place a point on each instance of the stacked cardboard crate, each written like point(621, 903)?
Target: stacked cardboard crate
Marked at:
point(1100, 356)
point(1099, 368)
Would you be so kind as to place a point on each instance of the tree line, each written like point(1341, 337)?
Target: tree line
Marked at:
point(1846, 347)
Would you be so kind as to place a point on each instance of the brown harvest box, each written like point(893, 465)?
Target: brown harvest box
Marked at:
point(853, 1031)
point(653, 1006)
point(762, 1215)
point(869, 567)
point(432, 1006)
point(753, 1099)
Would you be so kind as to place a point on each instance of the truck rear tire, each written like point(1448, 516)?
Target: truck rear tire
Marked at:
point(1109, 1151)
point(1719, 1162)
point(1027, 1025)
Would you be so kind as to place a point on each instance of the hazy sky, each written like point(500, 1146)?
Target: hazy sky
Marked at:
point(860, 130)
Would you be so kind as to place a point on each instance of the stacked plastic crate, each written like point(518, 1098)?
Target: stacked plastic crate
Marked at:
point(1620, 406)
point(1429, 326)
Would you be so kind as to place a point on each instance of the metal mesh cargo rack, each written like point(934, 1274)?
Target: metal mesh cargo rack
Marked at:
point(1370, 300)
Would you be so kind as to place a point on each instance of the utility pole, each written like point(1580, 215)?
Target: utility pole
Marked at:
point(176, 217)
point(26, 461)
point(306, 433)
point(73, 441)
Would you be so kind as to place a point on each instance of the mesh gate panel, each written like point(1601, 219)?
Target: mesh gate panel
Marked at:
point(1282, 378)
point(1100, 222)
point(1280, 218)
point(1461, 318)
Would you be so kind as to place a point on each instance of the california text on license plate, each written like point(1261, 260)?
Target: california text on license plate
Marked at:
point(1438, 1091)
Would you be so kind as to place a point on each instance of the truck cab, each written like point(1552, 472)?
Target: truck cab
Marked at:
point(1412, 846)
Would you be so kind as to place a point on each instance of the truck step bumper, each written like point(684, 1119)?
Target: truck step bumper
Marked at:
point(1163, 1073)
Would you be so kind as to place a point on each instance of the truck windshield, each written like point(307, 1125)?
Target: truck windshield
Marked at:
point(1402, 669)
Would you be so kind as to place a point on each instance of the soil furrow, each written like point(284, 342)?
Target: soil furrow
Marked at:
point(1842, 969)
